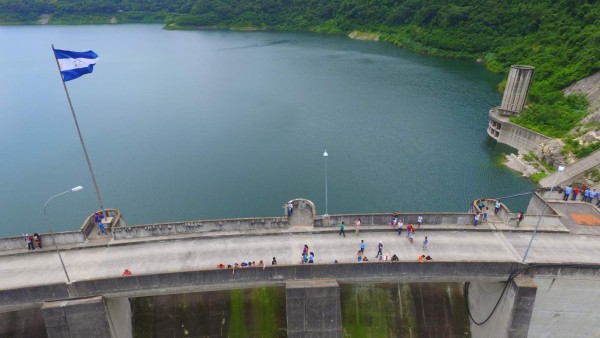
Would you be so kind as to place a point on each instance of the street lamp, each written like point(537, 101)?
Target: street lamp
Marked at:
point(560, 170)
point(78, 188)
point(325, 155)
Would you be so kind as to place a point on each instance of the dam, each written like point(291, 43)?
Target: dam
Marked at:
point(478, 283)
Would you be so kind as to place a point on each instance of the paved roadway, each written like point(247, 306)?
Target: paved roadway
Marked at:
point(27, 269)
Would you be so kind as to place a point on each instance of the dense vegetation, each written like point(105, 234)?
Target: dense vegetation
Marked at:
point(561, 38)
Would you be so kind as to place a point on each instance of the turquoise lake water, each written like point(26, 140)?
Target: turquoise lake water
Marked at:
point(184, 125)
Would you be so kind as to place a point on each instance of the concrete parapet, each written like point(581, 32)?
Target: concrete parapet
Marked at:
point(89, 224)
point(18, 242)
point(173, 228)
point(383, 219)
point(304, 213)
point(313, 309)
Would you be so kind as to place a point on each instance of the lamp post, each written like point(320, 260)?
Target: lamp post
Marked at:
point(325, 155)
point(78, 188)
point(560, 170)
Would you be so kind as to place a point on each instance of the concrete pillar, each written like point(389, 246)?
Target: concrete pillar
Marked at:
point(313, 309)
point(517, 88)
point(512, 316)
point(88, 318)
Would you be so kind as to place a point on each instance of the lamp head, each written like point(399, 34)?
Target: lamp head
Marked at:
point(561, 168)
point(325, 153)
point(77, 188)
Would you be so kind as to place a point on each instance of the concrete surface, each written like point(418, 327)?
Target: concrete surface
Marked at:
point(566, 307)
point(313, 309)
point(80, 318)
point(206, 252)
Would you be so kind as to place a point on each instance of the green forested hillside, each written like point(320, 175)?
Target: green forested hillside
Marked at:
point(561, 38)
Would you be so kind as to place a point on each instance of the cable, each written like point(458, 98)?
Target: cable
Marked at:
point(512, 276)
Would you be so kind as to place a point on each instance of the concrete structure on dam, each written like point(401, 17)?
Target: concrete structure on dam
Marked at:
point(513, 101)
point(551, 292)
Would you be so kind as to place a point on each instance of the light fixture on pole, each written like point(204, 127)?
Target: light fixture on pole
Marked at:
point(78, 188)
point(325, 155)
point(560, 170)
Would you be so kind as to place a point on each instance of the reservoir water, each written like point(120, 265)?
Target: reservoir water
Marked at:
point(184, 125)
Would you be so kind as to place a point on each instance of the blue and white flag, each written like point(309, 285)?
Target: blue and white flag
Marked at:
point(74, 64)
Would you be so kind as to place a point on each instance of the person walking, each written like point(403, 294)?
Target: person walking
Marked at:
point(342, 230)
point(400, 226)
point(357, 226)
point(409, 229)
point(568, 191)
point(379, 249)
point(311, 258)
point(497, 207)
point(476, 219)
point(425, 242)
point(362, 245)
point(485, 213)
point(419, 221)
point(290, 209)
point(520, 217)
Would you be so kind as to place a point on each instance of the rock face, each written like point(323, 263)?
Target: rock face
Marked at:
point(590, 137)
point(363, 36)
point(551, 152)
point(516, 163)
point(594, 117)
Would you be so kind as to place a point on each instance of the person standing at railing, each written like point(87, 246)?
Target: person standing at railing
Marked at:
point(497, 207)
point(593, 194)
point(568, 191)
point(575, 192)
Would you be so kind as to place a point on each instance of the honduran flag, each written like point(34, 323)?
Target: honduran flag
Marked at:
point(74, 64)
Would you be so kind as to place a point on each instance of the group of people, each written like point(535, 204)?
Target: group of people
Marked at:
point(307, 257)
point(246, 264)
point(33, 241)
point(587, 195)
point(483, 215)
point(360, 255)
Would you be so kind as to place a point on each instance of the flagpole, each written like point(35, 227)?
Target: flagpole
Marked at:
point(87, 157)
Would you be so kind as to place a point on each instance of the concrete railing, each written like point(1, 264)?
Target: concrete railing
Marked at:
point(385, 219)
point(18, 242)
point(200, 226)
point(89, 224)
point(65, 237)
